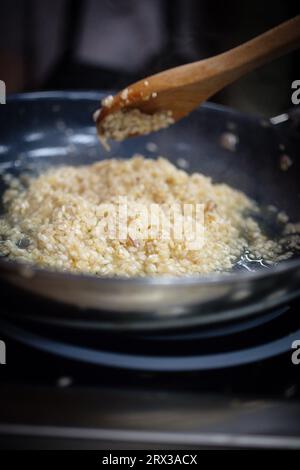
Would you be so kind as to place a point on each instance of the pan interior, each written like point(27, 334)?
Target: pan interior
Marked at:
point(39, 131)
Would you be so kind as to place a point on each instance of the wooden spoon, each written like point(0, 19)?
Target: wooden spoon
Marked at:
point(181, 89)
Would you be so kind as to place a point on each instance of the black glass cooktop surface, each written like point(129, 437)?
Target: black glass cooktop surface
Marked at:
point(235, 384)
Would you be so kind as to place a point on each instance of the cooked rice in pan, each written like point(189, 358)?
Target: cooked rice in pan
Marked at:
point(53, 221)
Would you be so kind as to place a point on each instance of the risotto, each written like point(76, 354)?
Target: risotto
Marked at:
point(54, 220)
point(122, 124)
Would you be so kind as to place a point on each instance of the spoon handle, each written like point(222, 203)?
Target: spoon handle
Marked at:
point(262, 49)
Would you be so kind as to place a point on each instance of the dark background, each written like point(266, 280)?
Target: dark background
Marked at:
point(106, 44)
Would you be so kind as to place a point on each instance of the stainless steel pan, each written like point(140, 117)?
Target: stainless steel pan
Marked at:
point(41, 129)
